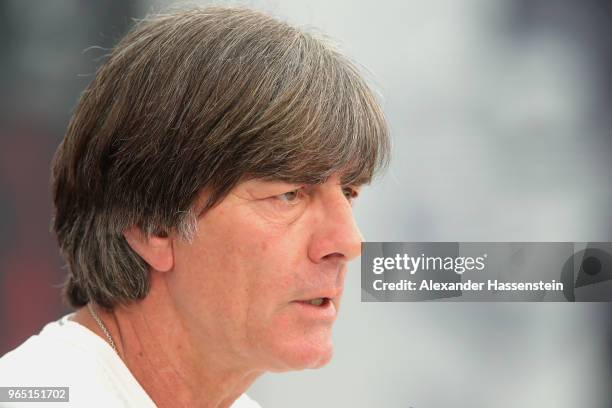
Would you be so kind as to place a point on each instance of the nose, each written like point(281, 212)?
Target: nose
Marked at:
point(335, 232)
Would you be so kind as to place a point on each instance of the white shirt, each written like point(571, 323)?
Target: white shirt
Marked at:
point(67, 354)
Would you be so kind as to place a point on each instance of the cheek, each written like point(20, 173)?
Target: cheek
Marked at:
point(241, 273)
point(276, 262)
point(240, 264)
point(272, 279)
point(210, 277)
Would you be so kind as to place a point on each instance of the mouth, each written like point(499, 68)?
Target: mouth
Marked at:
point(322, 308)
point(317, 302)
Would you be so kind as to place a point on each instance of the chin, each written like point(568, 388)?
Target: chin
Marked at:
point(303, 353)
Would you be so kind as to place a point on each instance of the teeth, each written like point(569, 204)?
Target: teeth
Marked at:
point(316, 302)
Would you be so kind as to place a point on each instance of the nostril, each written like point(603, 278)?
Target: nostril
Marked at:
point(333, 256)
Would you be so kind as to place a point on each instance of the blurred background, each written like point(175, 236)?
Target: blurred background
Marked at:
point(501, 114)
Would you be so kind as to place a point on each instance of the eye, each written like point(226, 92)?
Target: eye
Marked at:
point(291, 197)
point(350, 193)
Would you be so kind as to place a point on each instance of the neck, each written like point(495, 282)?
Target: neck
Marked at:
point(169, 363)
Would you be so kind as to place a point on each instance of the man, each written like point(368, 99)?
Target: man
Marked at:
point(203, 204)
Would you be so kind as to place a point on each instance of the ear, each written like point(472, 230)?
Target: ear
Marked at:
point(156, 250)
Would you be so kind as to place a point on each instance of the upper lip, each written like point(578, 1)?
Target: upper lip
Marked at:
point(333, 294)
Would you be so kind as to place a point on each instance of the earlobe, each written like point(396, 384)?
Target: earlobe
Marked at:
point(156, 250)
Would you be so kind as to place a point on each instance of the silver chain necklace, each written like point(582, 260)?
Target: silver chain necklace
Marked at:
point(102, 326)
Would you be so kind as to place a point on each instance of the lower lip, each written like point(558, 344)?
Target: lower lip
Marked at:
point(327, 310)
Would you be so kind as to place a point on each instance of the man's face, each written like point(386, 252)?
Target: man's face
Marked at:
point(260, 284)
